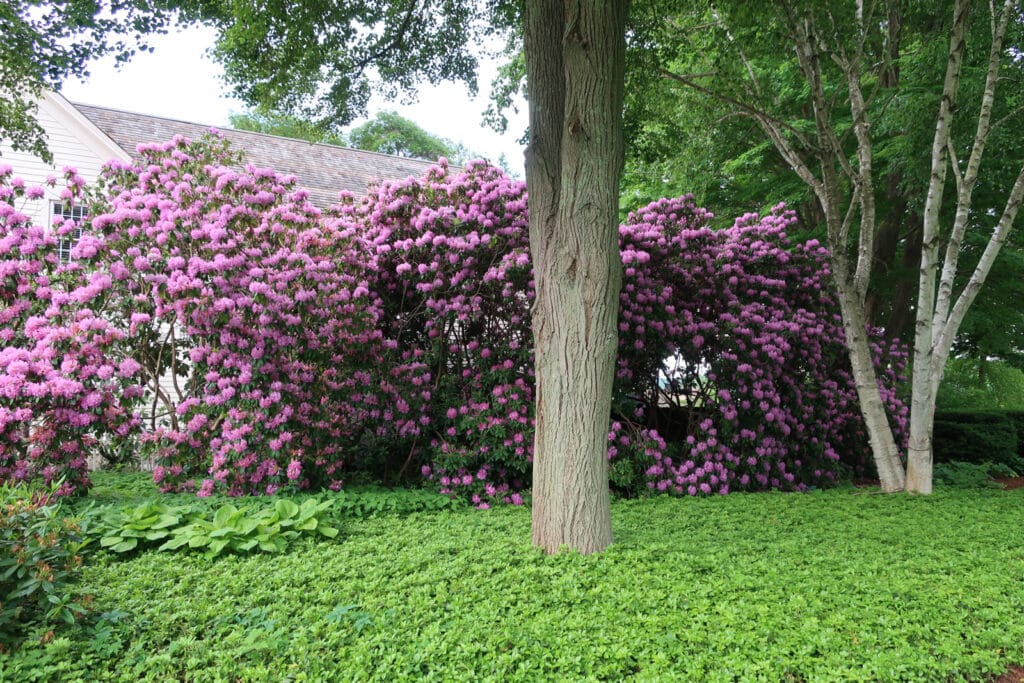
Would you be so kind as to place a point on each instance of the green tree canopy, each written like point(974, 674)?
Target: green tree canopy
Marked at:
point(387, 133)
point(390, 133)
point(697, 80)
point(321, 60)
point(44, 43)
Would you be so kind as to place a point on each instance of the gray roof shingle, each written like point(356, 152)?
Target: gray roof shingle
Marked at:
point(323, 169)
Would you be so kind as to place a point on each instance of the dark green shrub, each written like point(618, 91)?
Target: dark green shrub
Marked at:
point(1017, 417)
point(39, 557)
point(977, 437)
point(964, 475)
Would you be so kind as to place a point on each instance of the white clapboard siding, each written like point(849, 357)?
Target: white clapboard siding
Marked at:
point(74, 142)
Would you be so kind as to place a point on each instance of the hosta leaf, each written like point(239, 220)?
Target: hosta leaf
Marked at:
point(217, 546)
point(286, 509)
point(198, 541)
point(166, 521)
point(174, 543)
point(224, 514)
point(126, 545)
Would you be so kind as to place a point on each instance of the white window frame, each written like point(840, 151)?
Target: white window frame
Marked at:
point(65, 243)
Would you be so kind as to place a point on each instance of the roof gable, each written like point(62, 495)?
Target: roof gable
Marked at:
point(325, 170)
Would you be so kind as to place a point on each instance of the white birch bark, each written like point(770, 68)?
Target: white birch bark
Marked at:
point(938, 317)
point(851, 283)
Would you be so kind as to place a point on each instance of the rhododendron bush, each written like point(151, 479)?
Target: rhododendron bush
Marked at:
point(64, 379)
point(750, 327)
point(738, 325)
point(391, 334)
point(271, 300)
point(453, 273)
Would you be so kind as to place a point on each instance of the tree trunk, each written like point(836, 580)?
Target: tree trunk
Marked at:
point(880, 435)
point(575, 61)
point(902, 313)
point(922, 401)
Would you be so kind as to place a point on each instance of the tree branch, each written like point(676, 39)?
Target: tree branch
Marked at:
point(999, 237)
point(970, 175)
point(746, 108)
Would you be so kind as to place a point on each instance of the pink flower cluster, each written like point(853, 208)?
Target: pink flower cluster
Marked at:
point(453, 272)
point(392, 335)
point(738, 332)
point(271, 302)
point(65, 382)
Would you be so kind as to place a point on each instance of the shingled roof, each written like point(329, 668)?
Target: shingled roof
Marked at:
point(323, 169)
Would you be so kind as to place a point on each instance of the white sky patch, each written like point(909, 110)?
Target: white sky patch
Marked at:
point(178, 80)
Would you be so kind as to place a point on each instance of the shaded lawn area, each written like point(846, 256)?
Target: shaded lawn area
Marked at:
point(827, 586)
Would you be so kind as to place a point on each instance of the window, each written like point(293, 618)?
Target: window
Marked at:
point(65, 243)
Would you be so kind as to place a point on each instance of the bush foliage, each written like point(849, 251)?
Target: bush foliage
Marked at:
point(40, 556)
point(66, 376)
point(979, 437)
point(392, 335)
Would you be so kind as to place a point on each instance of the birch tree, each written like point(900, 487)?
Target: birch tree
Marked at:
point(843, 53)
point(940, 307)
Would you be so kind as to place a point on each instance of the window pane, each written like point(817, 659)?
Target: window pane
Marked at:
point(65, 243)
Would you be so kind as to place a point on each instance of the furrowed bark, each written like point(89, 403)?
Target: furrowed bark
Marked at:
point(575, 59)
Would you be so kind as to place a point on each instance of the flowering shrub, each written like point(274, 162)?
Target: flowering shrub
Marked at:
point(392, 334)
point(279, 327)
point(739, 326)
point(749, 325)
point(64, 382)
point(453, 273)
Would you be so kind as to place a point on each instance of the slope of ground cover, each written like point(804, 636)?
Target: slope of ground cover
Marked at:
point(837, 585)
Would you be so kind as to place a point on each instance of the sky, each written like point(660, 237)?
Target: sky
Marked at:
point(178, 80)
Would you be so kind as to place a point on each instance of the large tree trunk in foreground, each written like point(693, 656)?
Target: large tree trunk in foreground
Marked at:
point(575, 64)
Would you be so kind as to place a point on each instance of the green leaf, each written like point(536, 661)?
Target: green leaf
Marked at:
point(217, 546)
point(328, 531)
point(126, 545)
point(285, 509)
point(174, 543)
point(224, 514)
point(198, 541)
point(247, 525)
point(166, 521)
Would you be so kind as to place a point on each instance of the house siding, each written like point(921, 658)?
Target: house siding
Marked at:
point(73, 141)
